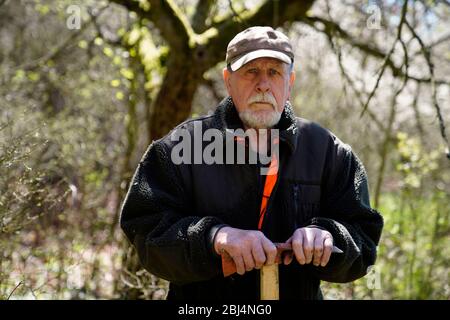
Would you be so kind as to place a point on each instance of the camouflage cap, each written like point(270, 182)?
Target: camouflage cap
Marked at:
point(258, 42)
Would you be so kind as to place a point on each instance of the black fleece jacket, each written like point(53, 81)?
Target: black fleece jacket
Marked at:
point(172, 211)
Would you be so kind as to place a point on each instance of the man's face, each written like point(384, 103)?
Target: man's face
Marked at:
point(259, 90)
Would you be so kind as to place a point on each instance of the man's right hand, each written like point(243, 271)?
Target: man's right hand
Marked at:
point(248, 248)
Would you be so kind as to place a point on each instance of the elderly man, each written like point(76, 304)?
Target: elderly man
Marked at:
point(184, 217)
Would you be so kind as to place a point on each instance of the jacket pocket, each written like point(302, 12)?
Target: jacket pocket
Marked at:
point(305, 202)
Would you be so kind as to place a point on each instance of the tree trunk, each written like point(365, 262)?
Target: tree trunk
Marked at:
point(173, 102)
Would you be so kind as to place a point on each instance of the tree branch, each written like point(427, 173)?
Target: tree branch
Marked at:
point(167, 17)
point(237, 15)
point(417, 113)
point(439, 41)
point(53, 53)
point(202, 12)
point(427, 56)
point(332, 28)
point(348, 80)
point(388, 57)
point(20, 283)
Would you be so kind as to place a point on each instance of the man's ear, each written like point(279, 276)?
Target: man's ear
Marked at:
point(291, 82)
point(292, 78)
point(226, 79)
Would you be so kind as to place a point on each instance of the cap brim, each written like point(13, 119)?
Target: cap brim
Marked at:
point(262, 53)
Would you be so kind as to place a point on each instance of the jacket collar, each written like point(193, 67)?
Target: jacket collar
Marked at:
point(227, 117)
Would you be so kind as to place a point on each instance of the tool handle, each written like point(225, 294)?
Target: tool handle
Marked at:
point(270, 282)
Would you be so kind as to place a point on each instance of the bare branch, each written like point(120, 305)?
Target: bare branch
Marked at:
point(332, 28)
point(53, 53)
point(385, 147)
point(427, 56)
point(388, 56)
point(20, 283)
point(417, 113)
point(439, 41)
point(348, 80)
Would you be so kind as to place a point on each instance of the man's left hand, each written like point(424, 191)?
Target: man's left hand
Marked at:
point(310, 244)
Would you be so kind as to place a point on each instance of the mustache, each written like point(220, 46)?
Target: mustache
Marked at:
point(263, 98)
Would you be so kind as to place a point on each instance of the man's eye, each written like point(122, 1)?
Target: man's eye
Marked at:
point(273, 72)
point(252, 70)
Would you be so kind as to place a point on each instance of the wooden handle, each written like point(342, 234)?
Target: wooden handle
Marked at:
point(270, 282)
point(268, 274)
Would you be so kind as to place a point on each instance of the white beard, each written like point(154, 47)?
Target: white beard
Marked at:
point(260, 119)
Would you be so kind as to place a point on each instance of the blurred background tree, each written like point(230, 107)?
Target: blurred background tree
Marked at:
point(85, 86)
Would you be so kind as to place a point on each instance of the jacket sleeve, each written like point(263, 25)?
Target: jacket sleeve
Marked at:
point(172, 243)
point(347, 215)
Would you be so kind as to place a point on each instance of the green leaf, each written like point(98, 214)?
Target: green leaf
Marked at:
point(119, 95)
point(127, 73)
point(98, 41)
point(108, 52)
point(133, 36)
point(42, 9)
point(33, 76)
point(83, 44)
point(117, 60)
point(115, 83)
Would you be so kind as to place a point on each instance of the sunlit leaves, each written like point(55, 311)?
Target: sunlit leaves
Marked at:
point(96, 177)
point(19, 76)
point(133, 36)
point(42, 8)
point(119, 95)
point(98, 41)
point(144, 4)
point(108, 52)
point(127, 73)
point(115, 83)
point(22, 76)
point(117, 60)
point(414, 162)
point(33, 76)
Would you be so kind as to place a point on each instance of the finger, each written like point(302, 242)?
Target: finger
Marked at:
point(308, 244)
point(318, 248)
point(239, 262)
point(270, 251)
point(327, 249)
point(258, 256)
point(297, 248)
point(288, 257)
point(248, 261)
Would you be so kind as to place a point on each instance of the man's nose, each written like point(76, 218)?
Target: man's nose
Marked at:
point(263, 84)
